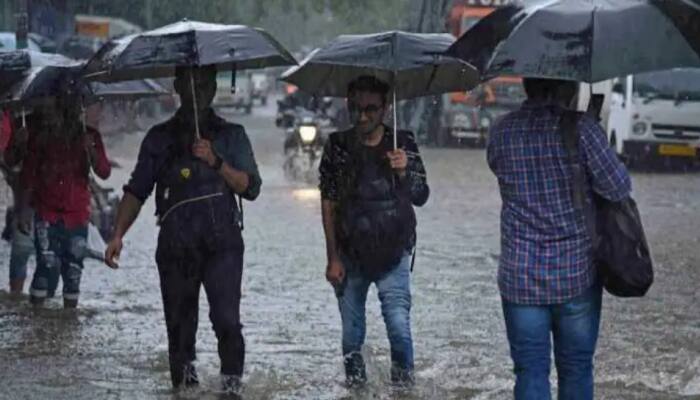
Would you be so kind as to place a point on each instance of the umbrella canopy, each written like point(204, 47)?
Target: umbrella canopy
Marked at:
point(14, 64)
point(22, 60)
point(156, 53)
point(409, 62)
point(35, 77)
point(584, 40)
point(127, 89)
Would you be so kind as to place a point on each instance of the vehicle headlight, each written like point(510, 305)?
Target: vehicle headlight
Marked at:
point(308, 134)
point(485, 122)
point(640, 128)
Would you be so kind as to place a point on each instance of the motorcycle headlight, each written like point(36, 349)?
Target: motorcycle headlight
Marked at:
point(308, 134)
point(640, 128)
point(485, 122)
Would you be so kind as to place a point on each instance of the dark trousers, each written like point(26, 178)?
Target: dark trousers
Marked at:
point(181, 275)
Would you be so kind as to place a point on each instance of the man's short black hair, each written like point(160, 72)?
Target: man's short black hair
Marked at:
point(550, 89)
point(371, 84)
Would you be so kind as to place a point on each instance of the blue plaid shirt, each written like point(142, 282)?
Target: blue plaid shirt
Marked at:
point(545, 257)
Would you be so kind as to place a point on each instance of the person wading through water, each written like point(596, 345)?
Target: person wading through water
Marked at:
point(368, 191)
point(200, 242)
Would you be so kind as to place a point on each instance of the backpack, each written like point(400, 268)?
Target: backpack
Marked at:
point(619, 245)
point(376, 233)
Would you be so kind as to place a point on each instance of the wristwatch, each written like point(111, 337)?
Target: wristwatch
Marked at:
point(218, 162)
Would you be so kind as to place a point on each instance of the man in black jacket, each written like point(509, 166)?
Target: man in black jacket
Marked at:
point(368, 191)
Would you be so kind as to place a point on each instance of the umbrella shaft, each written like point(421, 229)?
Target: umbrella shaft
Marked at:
point(194, 105)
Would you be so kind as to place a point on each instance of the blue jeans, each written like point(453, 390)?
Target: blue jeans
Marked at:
point(59, 252)
point(574, 328)
point(394, 290)
point(22, 248)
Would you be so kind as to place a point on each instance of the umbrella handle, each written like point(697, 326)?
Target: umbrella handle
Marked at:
point(24, 118)
point(194, 105)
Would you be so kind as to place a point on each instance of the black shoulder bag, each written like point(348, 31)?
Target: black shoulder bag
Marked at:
point(619, 246)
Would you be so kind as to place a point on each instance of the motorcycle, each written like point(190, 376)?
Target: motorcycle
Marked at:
point(303, 146)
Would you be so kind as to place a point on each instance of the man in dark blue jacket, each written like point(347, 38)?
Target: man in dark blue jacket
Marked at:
point(200, 243)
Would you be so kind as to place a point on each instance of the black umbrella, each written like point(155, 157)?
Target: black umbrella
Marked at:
point(158, 52)
point(409, 62)
point(584, 40)
point(14, 64)
point(34, 77)
point(127, 90)
point(22, 60)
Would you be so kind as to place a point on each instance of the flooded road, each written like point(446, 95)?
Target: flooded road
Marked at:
point(114, 346)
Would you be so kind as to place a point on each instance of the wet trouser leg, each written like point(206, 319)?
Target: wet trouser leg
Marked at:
point(48, 263)
point(574, 327)
point(180, 280)
point(394, 290)
point(73, 243)
point(575, 334)
point(351, 302)
point(22, 248)
point(222, 283)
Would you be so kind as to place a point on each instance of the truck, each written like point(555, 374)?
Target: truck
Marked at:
point(467, 117)
point(104, 27)
point(653, 116)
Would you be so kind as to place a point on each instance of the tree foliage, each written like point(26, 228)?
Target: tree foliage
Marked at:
point(297, 23)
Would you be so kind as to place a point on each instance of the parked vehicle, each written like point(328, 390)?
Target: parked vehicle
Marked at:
point(467, 117)
point(656, 115)
point(240, 98)
point(262, 87)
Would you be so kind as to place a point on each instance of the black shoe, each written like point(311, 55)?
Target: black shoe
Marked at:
point(231, 385)
point(355, 374)
point(36, 301)
point(190, 375)
point(70, 303)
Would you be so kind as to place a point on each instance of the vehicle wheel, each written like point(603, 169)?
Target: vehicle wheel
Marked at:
point(249, 109)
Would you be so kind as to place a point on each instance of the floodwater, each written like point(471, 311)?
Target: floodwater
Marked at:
point(114, 346)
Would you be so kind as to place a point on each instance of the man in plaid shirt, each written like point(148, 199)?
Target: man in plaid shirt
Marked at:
point(546, 275)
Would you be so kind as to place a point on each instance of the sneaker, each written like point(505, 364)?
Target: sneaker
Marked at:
point(402, 378)
point(231, 384)
point(190, 375)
